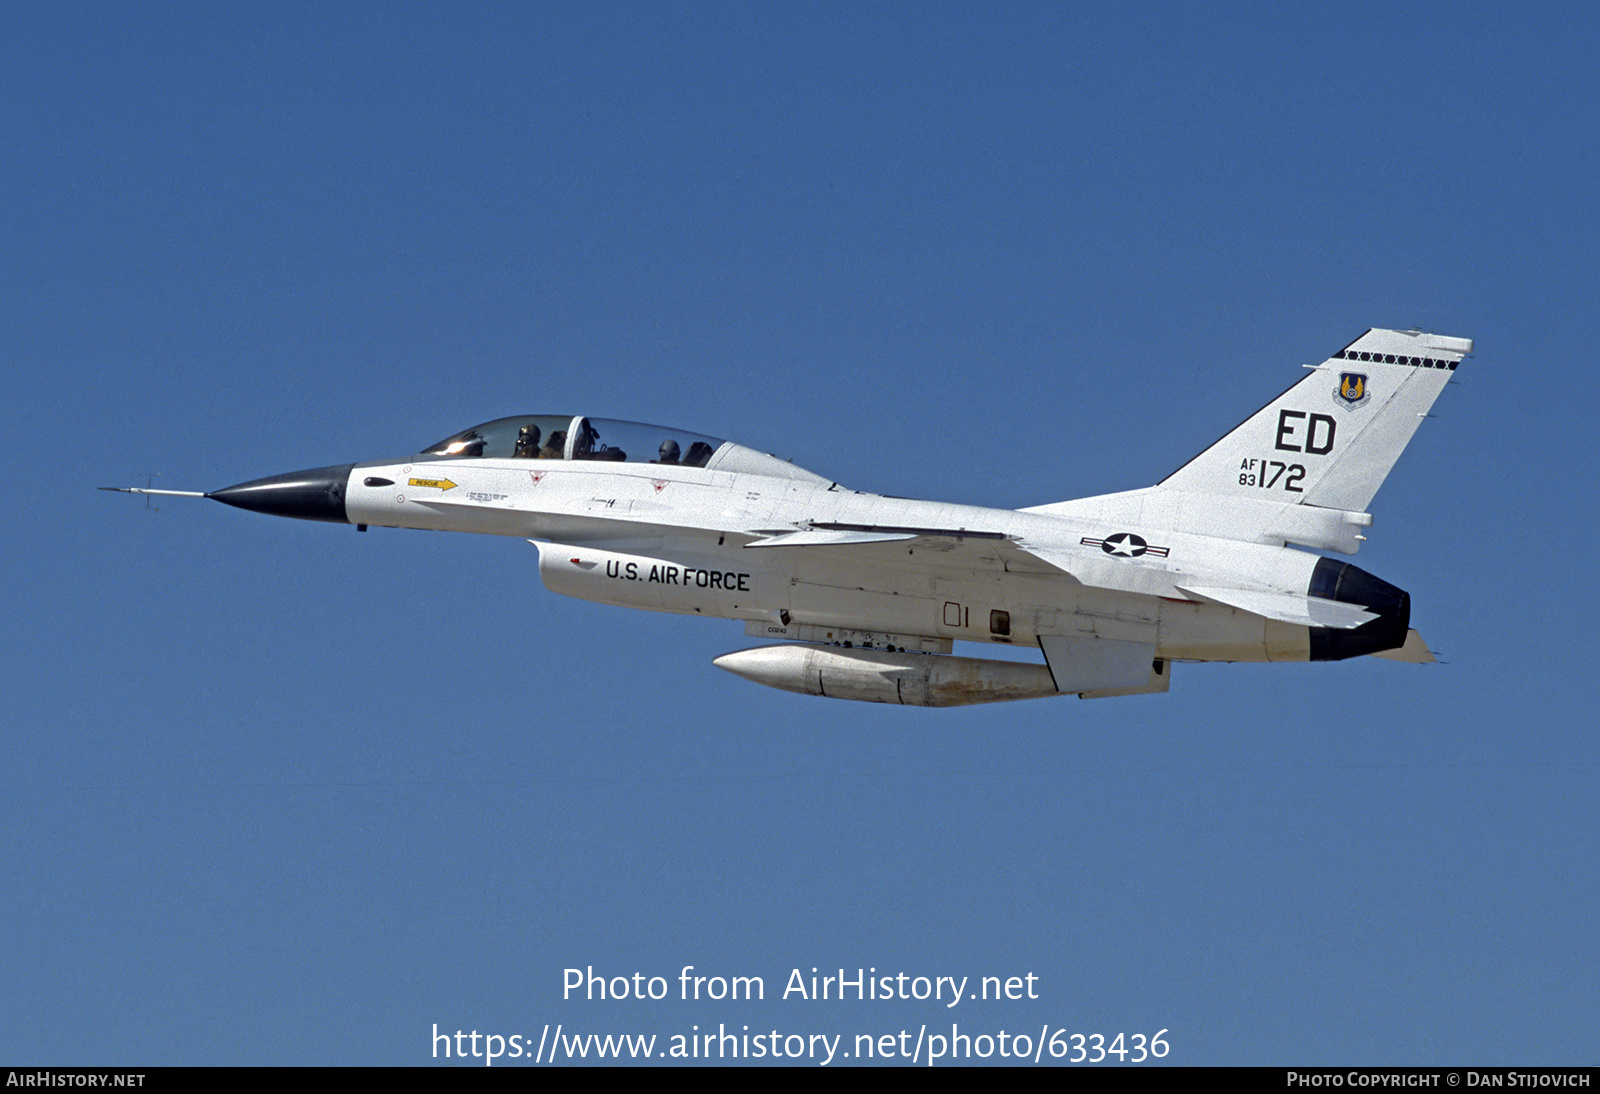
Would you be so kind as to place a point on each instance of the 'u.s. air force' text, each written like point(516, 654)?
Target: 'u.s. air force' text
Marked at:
point(679, 575)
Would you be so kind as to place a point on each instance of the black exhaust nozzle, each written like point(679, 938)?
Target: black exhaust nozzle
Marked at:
point(317, 494)
point(1352, 585)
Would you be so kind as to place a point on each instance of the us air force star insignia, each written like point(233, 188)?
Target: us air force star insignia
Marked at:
point(1125, 545)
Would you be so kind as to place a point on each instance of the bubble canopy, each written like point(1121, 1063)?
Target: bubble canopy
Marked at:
point(564, 437)
point(606, 440)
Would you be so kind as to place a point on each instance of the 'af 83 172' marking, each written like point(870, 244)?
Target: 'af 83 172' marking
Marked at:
point(1272, 474)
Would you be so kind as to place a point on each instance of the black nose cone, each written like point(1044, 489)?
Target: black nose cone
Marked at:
point(317, 494)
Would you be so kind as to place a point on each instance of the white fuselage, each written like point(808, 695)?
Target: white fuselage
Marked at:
point(674, 539)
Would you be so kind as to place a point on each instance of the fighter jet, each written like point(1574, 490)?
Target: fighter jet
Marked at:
point(868, 594)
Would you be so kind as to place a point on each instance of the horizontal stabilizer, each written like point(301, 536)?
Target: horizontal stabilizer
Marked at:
point(1414, 652)
point(1303, 611)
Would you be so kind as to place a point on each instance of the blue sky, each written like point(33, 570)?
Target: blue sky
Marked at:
point(280, 793)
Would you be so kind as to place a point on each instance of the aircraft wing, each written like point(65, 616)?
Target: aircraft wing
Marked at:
point(965, 546)
point(976, 548)
point(826, 537)
point(814, 533)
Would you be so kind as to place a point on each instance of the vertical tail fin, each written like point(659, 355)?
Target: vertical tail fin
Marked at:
point(1331, 439)
point(1303, 468)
